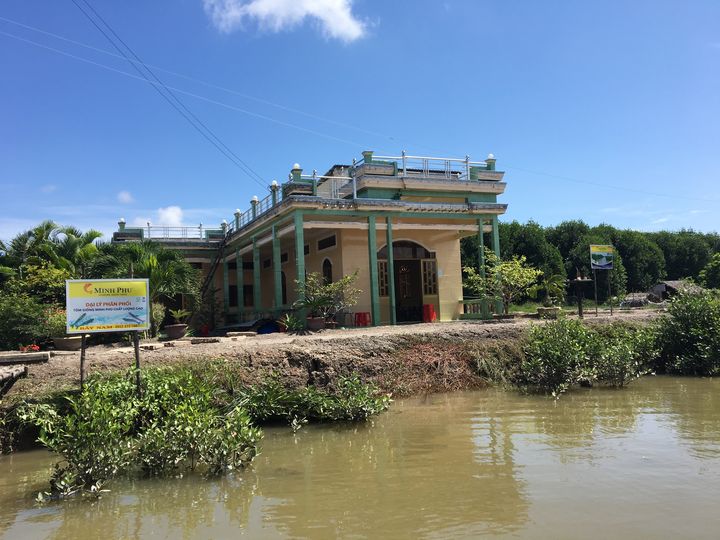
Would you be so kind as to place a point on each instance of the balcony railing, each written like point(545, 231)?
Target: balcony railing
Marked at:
point(330, 187)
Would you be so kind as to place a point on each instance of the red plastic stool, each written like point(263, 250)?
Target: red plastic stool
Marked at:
point(362, 318)
point(429, 313)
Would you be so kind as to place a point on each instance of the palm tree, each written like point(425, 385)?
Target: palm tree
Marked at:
point(166, 270)
point(72, 250)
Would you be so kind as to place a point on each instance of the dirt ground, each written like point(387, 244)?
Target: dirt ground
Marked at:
point(407, 358)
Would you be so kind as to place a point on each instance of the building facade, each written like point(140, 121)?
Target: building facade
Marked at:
point(396, 221)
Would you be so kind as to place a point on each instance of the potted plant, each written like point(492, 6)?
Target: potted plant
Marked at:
point(554, 289)
point(179, 328)
point(324, 300)
point(55, 329)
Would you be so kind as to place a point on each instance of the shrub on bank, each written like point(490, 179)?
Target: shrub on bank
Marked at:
point(688, 338)
point(182, 420)
point(560, 354)
point(21, 321)
point(109, 430)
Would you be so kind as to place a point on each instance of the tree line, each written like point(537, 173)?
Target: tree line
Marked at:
point(642, 258)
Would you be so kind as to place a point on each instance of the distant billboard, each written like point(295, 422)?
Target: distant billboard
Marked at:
point(107, 305)
point(602, 257)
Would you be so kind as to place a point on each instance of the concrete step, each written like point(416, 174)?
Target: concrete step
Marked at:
point(12, 357)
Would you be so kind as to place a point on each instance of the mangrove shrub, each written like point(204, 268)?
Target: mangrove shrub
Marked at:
point(688, 338)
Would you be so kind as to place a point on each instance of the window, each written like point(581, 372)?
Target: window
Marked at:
point(248, 265)
point(327, 271)
point(404, 249)
point(267, 263)
point(306, 249)
point(248, 295)
point(196, 266)
point(326, 243)
point(429, 271)
point(284, 257)
point(283, 286)
point(232, 265)
point(233, 290)
point(383, 278)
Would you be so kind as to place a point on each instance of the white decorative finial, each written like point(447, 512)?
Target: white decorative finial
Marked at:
point(274, 183)
point(122, 220)
point(296, 167)
point(255, 198)
point(491, 156)
point(237, 211)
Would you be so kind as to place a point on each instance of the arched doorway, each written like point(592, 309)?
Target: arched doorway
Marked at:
point(408, 259)
point(327, 271)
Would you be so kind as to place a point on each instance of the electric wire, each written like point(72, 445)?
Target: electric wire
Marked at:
point(289, 109)
point(173, 100)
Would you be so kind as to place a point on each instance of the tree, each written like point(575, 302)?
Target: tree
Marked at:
point(72, 250)
point(566, 236)
point(643, 260)
point(504, 280)
point(710, 275)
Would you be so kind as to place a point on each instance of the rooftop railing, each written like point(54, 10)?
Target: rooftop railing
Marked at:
point(343, 186)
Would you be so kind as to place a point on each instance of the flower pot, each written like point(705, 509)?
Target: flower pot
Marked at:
point(550, 312)
point(315, 323)
point(68, 343)
point(175, 331)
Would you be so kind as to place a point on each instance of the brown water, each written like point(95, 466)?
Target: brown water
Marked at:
point(642, 462)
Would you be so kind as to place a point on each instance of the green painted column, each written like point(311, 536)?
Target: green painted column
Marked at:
point(257, 297)
point(277, 270)
point(239, 279)
point(226, 287)
point(374, 293)
point(300, 254)
point(496, 249)
point(481, 263)
point(391, 271)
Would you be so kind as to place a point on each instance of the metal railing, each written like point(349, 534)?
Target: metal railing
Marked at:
point(160, 232)
point(448, 168)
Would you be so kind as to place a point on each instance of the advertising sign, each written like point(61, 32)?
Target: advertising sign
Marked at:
point(107, 305)
point(602, 257)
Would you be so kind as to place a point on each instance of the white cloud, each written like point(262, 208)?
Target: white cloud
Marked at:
point(335, 17)
point(660, 220)
point(172, 216)
point(125, 197)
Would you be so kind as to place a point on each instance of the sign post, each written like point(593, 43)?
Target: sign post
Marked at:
point(602, 257)
point(108, 305)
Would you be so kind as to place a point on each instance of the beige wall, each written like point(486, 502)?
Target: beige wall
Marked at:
point(350, 254)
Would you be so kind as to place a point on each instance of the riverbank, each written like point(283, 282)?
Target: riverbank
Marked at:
point(404, 360)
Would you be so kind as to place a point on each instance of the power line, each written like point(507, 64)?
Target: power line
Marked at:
point(204, 83)
point(169, 96)
point(287, 124)
point(185, 92)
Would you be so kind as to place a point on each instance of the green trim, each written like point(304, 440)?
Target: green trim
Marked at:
point(496, 249)
point(240, 280)
point(374, 291)
point(391, 272)
point(257, 298)
point(484, 311)
point(277, 270)
point(470, 218)
point(300, 256)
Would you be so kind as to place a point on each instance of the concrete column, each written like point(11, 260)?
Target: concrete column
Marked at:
point(481, 263)
point(496, 249)
point(257, 297)
point(374, 292)
point(391, 271)
point(277, 270)
point(300, 258)
point(226, 287)
point(239, 278)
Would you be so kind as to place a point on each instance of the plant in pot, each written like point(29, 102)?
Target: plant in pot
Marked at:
point(554, 289)
point(179, 328)
point(55, 329)
point(324, 300)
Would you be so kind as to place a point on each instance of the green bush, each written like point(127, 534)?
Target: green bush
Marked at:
point(689, 336)
point(110, 430)
point(566, 352)
point(21, 321)
point(270, 401)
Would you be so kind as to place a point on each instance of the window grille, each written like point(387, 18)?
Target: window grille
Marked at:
point(383, 278)
point(429, 271)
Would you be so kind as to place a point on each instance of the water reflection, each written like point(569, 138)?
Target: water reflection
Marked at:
point(456, 465)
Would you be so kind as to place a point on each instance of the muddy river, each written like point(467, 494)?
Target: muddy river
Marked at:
point(641, 462)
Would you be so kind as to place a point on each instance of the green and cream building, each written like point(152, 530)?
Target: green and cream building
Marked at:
point(343, 222)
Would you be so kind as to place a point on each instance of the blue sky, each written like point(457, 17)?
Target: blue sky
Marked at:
point(606, 111)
